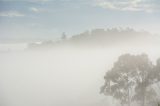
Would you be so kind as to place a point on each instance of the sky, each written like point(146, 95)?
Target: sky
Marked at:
point(35, 20)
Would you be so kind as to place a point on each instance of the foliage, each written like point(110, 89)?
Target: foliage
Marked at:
point(131, 78)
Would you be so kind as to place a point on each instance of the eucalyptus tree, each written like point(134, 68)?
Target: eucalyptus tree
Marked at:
point(129, 79)
point(119, 80)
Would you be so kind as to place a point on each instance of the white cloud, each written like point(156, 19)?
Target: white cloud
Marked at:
point(37, 10)
point(128, 5)
point(11, 14)
point(34, 9)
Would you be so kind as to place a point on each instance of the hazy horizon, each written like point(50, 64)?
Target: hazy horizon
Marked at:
point(29, 20)
point(79, 52)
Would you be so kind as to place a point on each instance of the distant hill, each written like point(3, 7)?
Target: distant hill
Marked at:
point(102, 38)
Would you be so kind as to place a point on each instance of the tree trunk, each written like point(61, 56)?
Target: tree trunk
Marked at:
point(143, 98)
point(143, 88)
point(128, 98)
point(128, 91)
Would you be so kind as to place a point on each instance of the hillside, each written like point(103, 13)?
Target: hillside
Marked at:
point(103, 38)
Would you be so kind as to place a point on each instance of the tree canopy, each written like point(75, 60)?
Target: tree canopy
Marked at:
point(131, 78)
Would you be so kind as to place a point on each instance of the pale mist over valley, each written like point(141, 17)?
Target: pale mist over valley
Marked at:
point(79, 53)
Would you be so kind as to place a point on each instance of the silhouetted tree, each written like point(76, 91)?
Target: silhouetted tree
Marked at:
point(63, 37)
point(118, 79)
point(144, 68)
point(129, 79)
